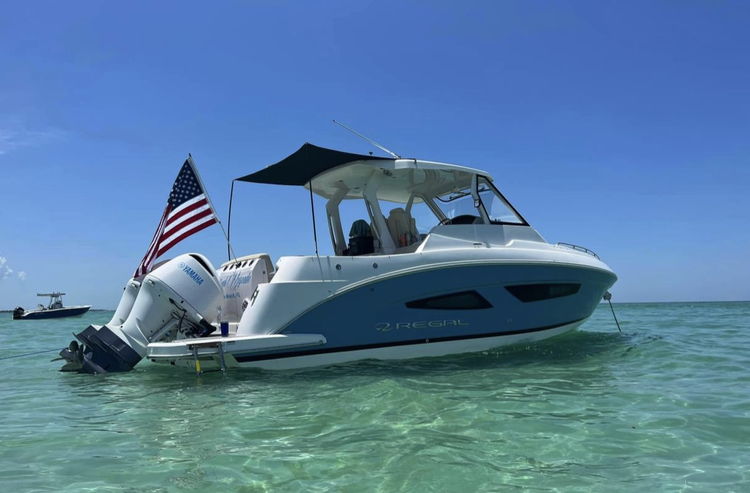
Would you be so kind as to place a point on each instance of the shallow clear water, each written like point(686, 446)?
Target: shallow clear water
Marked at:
point(663, 407)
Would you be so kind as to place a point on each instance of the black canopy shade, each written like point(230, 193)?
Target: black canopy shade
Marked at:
point(308, 162)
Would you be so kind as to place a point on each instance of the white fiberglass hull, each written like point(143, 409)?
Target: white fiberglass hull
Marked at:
point(426, 350)
point(209, 362)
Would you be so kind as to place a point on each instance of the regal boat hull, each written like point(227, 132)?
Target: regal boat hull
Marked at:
point(257, 355)
point(440, 310)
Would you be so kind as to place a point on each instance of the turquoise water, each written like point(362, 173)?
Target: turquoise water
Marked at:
point(663, 407)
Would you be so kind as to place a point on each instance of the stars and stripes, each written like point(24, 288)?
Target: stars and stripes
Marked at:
point(188, 211)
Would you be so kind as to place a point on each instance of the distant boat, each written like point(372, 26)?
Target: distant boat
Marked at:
point(55, 309)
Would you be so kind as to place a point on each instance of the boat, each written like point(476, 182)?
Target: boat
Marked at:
point(436, 262)
point(54, 309)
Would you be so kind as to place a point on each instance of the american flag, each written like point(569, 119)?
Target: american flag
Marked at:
point(188, 211)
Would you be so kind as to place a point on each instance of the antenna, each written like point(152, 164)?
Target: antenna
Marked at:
point(368, 140)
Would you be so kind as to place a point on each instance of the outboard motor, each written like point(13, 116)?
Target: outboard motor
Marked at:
point(18, 312)
point(180, 295)
point(126, 303)
point(130, 292)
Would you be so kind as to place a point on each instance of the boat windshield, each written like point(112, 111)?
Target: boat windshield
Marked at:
point(461, 203)
point(457, 203)
point(498, 209)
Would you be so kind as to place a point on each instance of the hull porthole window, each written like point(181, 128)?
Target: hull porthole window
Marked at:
point(465, 300)
point(539, 292)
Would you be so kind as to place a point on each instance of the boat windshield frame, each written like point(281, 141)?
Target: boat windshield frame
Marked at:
point(474, 191)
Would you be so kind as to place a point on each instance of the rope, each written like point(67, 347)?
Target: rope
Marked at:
point(29, 354)
point(608, 297)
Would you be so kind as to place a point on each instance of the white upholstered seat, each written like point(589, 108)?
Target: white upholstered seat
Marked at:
point(403, 228)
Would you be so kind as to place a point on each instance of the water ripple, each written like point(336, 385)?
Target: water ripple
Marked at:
point(662, 406)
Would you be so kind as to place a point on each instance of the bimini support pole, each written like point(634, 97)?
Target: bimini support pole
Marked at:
point(312, 204)
point(229, 222)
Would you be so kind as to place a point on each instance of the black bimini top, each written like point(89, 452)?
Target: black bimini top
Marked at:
point(307, 163)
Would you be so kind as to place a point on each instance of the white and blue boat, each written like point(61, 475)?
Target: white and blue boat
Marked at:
point(430, 259)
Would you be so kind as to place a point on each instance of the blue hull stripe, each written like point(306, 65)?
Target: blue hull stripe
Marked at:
point(263, 357)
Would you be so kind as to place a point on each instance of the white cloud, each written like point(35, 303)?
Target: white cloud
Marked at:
point(5, 270)
point(14, 134)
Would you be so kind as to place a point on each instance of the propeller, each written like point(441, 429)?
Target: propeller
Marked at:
point(73, 354)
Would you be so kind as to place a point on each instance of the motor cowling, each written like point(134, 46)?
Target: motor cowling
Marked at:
point(183, 292)
point(129, 295)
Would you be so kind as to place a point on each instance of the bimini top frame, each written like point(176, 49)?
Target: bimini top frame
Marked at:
point(313, 162)
point(338, 176)
point(304, 165)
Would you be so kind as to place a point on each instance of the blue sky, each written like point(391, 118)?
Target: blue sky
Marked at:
point(621, 126)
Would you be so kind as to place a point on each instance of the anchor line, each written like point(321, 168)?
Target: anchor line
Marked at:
point(29, 354)
point(608, 297)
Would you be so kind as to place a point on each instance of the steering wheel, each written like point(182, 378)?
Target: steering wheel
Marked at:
point(462, 219)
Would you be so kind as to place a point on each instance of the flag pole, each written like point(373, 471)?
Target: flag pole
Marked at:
point(210, 203)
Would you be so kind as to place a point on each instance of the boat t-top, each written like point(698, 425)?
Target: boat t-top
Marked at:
point(54, 309)
point(428, 259)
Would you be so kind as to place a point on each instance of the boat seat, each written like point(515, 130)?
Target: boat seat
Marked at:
point(403, 228)
point(361, 241)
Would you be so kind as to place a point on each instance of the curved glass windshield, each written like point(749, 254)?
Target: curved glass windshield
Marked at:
point(424, 218)
point(457, 203)
point(461, 203)
point(498, 209)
